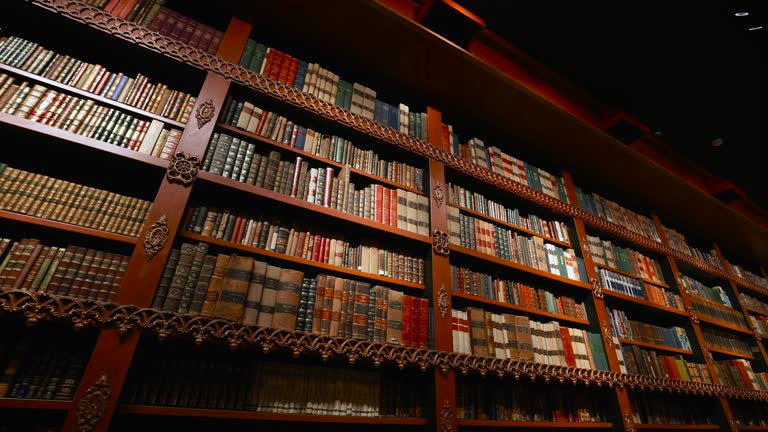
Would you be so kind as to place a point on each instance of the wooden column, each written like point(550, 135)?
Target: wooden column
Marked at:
point(97, 396)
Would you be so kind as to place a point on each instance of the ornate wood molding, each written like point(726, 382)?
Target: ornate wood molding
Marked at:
point(732, 424)
point(204, 113)
point(608, 335)
point(155, 238)
point(441, 242)
point(126, 318)
point(629, 421)
point(756, 333)
point(597, 288)
point(182, 168)
point(438, 195)
point(442, 302)
point(446, 417)
point(692, 313)
point(585, 249)
point(92, 406)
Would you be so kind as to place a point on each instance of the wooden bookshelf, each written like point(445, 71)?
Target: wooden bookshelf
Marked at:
point(251, 415)
point(534, 424)
point(731, 353)
point(756, 312)
point(654, 346)
point(695, 427)
point(516, 308)
point(249, 135)
point(633, 276)
point(643, 303)
point(63, 226)
point(36, 404)
point(752, 428)
point(723, 324)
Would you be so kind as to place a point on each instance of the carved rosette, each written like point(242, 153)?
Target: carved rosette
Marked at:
point(629, 421)
point(442, 301)
point(204, 113)
point(441, 242)
point(155, 238)
point(692, 313)
point(438, 195)
point(446, 417)
point(597, 288)
point(93, 405)
point(183, 168)
point(608, 335)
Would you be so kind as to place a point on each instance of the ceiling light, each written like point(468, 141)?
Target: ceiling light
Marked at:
point(741, 13)
point(756, 28)
point(717, 142)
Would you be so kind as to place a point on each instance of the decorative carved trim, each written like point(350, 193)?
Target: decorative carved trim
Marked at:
point(92, 406)
point(183, 168)
point(692, 313)
point(708, 355)
point(442, 301)
point(732, 424)
point(437, 194)
point(756, 333)
point(597, 288)
point(446, 417)
point(204, 113)
point(586, 250)
point(608, 335)
point(629, 421)
point(155, 238)
point(441, 242)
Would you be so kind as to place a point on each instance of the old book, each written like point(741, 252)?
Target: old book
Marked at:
point(268, 296)
point(394, 317)
point(180, 276)
point(255, 289)
point(214, 287)
point(336, 304)
point(188, 293)
point(287, 299)
point(234, 289)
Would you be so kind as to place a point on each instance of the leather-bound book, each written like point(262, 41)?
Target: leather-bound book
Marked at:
point(234, 289)
point(287, 299)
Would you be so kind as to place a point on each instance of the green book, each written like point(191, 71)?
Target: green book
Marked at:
point(248, 51)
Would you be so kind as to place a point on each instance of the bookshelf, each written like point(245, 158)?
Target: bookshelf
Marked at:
point(125, 323)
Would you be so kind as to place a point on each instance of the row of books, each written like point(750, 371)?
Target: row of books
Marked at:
point(467, 281)
point(617, 214)
point(619, 283)
point(237, 159)
point(717, 311)
point(162, 379)
point(748, 413)
point(725, 341)
point(499, 400)
point(604, 252)
point(491, 239)
point(73, 271)
point(665, 409)
point(272, 235)
point(739, 373)
point(677, 241)
point(641, 361)
point(138, 92)
point(760, 324)
point(507, 336)
point(507, 166)
point(463, 197)
point(327, 86)
point(39, 366)
point(715, 293)
point(750, 276)
point(153, 15)
point(247, 116)
point(625, 328)
point(753, 303)
point(59, 200)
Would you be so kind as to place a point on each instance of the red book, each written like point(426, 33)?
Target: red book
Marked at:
point(326, 250)
point(327, 194)
point(179, 26)
point(186, 33)
point(294, 69)
point(407, 319)
point(393, 207)
point(424, 324)
point(378, 197)
point(385, 206)
point(111, 5)
point(124, 8)
point(415, 322)
point(570, 357)
point(170, 23)
point(206, 38)
point(215, 42)
point(159, 20)
point(285, 68)
point(197, 35)
point(235, 229)
point(277, 62)
point(316, 248)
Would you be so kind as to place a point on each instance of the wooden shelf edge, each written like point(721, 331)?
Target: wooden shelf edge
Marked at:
point(632, 276)
point(338, 214)
point(654, 346)
point(644, 303)
point(289, 258)
point(7, 215)
point(519, 266)
point(731, 353)
point(305, 154)
point(752, 428)
point(535, 424)
point(254, 415)
point(669, 426)
point(36, 404)
point(518, 308)
point(756, 312)
point(89, 95)
point(81, 140)
point(723, 324)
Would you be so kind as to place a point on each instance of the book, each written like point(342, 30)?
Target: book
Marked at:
point(234, 289)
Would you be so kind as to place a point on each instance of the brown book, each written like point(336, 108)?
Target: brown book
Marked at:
point(234, 289)
point(255, 291)
point(338, 297)
point(394, 317)
point(268, 296)
point(287, 299)
point(327, 305)
point(317, 312)
point(46, 253)
point(76, 288)
point(214, 288)
point(58, 271)
point(478, 331)
point(360, 310)
point(26, 261)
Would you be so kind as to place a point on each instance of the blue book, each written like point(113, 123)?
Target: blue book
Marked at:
point(582, 270)
point(258, 57)
point(119, 89)
point(301, 137)
point(378, 111)
point(301, 75)
point(394, 117)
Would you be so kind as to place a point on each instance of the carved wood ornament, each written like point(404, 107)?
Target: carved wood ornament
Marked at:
point(597, 289)
point(438, 195)
point(155, 238)
point(183, 168)
point(692, 313)
point(446, 417)
point(92, 406)
point(204, 113)
point(441, 242)
point(442, 301)
point(629, 422)
point(608, 335)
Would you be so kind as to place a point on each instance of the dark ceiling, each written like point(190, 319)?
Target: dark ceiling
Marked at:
point(691, 70)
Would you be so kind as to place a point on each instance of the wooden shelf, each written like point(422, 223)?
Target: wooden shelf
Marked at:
point(752, 428)
point(731, 353)
point(518, 266)
point(322, 159)
point(648, 426)
point(512, 307)
point(305, 262)
point(534, 424)
point(643, 303)
point(106, 101)
point(723, 324)
point(36, 404)
point(753, 289)
point(253, 415)
point(633, 276)
point(756, 312)
point(654, 346)
point(6, 215)
point(316, 208)
point(510, 225)
point(84, 141)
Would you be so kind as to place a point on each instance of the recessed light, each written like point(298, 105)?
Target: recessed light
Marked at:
point(741, 13)
point(717, 142)
point(756, 28)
